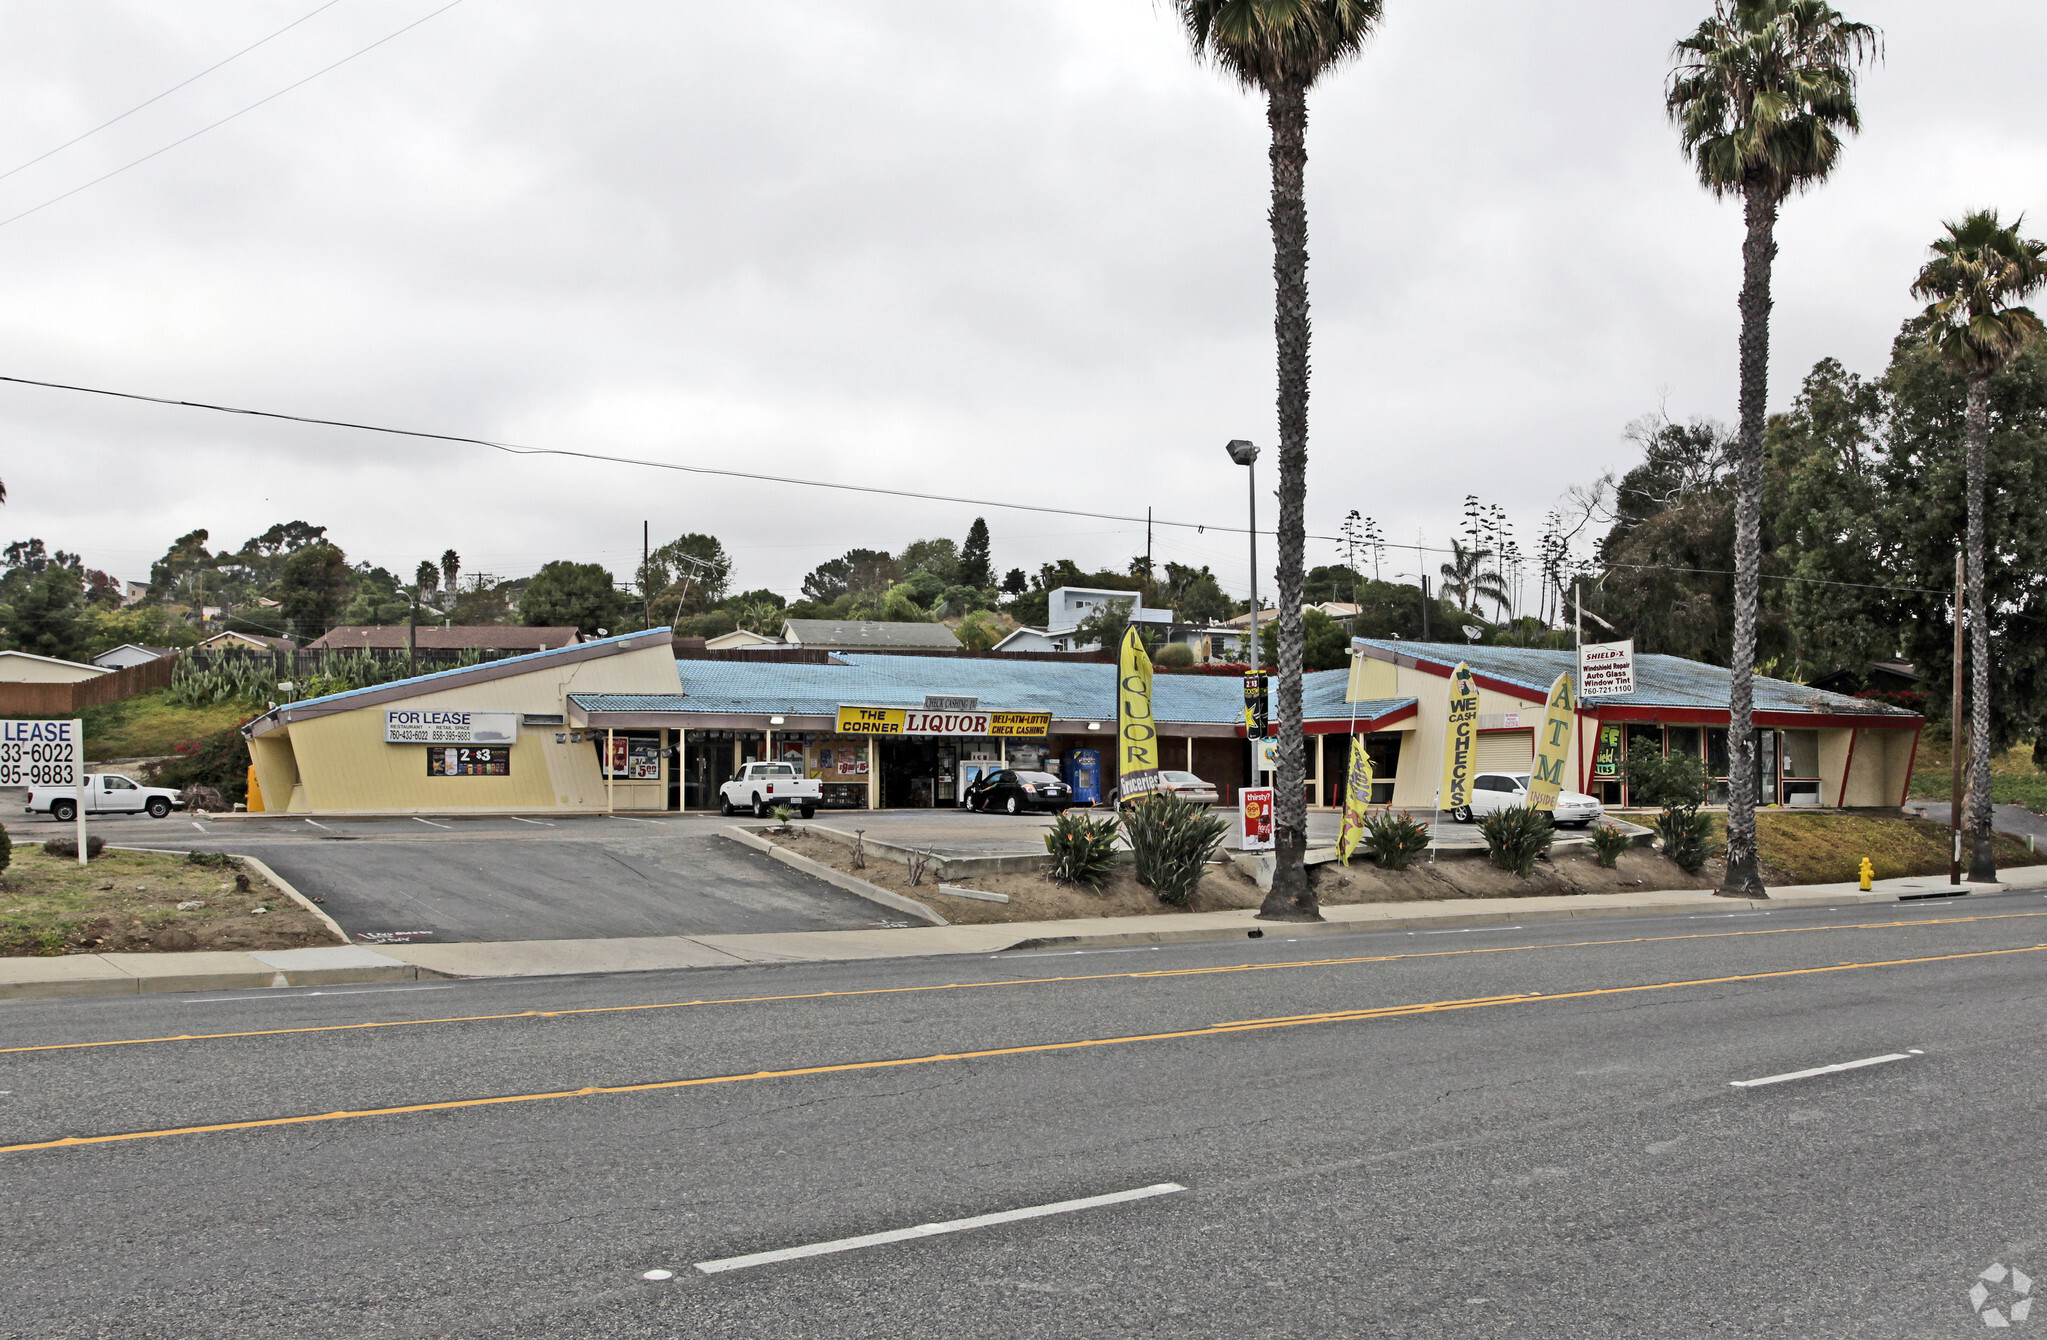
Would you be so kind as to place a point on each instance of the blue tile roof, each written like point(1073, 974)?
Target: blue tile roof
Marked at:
point(1067, 691)
point(1660, 681)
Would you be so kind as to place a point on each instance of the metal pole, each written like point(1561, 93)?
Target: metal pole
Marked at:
point(1256, 657)
point(610, 773)
point(1954, 872)
point(78, 781)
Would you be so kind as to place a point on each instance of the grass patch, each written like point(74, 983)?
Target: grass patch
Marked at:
point(2013, 778)
point(146, 726)
point(127, 902)
point(1828, 848)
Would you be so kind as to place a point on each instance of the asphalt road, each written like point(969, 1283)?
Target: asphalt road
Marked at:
point(421, 881)
point(1508, 1131)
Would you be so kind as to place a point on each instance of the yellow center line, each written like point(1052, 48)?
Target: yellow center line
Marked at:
point(1212, 1030)
point(1910, 923)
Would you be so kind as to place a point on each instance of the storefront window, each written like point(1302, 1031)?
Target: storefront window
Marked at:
point(1800, 765)
point(1684, 740)
point(1385, 753)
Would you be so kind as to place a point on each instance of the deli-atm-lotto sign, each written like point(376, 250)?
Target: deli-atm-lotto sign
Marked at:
point(917, 721)
point(419, 725)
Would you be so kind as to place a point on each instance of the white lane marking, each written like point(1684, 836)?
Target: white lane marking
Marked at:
point(272, 993)
point(1073, 953)
point(429, 823)
point(201, 827)
point(1466, 930)
point(317, 824)
point(933, 1230)
point(535, 822)
point(629, 819)
point(1826, 1069)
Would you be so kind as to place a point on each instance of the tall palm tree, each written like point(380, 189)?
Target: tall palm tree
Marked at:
point(1468, 581)
point(1760, 94)
point(1979, 273)
point(1281, 48)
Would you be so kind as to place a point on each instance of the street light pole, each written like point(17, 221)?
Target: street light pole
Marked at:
point(1246, 455)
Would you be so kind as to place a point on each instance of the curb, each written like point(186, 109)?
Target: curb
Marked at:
point(873, 893)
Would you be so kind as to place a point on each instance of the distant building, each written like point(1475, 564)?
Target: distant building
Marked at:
point(246, 642)
point(21, 667)
point(865, 635)
point(1067, 607)
point(133, 593)
point(740, 637)
point(127, 654)
point(502, 639)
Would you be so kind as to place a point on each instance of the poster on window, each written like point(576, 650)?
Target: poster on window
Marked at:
point(469, 762)
point(633, 758)
point(1606, 763)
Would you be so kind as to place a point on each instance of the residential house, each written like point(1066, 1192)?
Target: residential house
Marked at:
point(127, 654)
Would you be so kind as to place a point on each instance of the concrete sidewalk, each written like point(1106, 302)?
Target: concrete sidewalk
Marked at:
point(128, 974)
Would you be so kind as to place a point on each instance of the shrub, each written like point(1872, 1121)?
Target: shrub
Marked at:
point(6, 851)
point(1176, 654)
point(1083, 849)
point(220, 760)
point(1393, 840)
point(1514, 838)
point(1608, 842)
point(94, 845)
point(1687, 837)
point(1172, 840)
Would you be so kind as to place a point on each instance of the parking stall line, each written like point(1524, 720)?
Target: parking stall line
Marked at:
point(1834, 1069)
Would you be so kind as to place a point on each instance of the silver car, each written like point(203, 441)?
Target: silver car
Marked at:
point(1492, 791)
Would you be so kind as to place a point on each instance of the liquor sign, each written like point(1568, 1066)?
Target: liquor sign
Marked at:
point(47, 755)
point(916, 721)
point(462, 761)
point(1257, 818)
point(1606, 669)
point(1137, 736)
point(416, 725)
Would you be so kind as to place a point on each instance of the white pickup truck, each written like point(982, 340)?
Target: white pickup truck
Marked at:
point(105, 793)
point(760, 787)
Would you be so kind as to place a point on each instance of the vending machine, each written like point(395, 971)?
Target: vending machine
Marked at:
point(1084, 775)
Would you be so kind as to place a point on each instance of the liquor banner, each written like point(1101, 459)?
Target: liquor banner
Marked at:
point(1460, 738)
point(1553, 745)
point(1137, 736)
point(1357, 798)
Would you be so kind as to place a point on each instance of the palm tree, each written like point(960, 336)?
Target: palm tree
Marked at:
point(1468, 581)
point(1979, 272)
point(1760, 95)
point(1281, 48)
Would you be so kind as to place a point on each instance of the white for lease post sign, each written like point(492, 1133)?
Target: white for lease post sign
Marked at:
point(46, 756)
point(1606, 669)
point(418, 725)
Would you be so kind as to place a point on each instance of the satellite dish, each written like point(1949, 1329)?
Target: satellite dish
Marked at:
point(1473, 634)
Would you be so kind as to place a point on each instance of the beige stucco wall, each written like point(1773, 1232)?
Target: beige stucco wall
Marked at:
point(1877, 775)
point(31, 670)
point(342, 763)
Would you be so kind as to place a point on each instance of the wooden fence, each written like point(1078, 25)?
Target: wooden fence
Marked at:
point(63, 700)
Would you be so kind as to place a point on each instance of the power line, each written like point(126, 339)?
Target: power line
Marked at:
point(517, 450)
point(167, 92)
point(231, 116)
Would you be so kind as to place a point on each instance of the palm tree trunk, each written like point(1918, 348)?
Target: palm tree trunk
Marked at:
point(1759, 250)
point(1983, 856)
point(1286, 112)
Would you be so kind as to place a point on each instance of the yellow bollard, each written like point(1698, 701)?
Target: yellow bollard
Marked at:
point(1868, 871)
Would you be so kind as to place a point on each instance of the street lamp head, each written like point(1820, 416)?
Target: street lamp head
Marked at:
point(1242, 452)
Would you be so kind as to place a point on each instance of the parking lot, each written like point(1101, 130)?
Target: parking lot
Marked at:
point(443, 880)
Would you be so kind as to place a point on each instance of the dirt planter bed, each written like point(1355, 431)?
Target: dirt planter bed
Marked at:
point(127, 902)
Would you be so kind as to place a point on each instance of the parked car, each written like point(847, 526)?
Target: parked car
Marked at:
point(1014, 792)
point(1492, 791)
point(105, 793)
point(760, 787)
point(1185, 785)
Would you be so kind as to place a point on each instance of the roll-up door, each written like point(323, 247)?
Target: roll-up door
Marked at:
point(1506, 750)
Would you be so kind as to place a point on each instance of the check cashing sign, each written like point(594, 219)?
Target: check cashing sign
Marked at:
point(46, 756)
point(917, 721)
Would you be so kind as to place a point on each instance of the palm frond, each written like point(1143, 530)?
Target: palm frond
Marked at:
point(1977, 279)
point(1268, 44)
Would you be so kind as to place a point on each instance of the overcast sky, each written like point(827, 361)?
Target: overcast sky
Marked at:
point(1009, 249)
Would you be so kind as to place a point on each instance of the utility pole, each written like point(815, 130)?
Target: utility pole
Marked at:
point(1425, 607)
point(1955, 751)
point(1147, 556)
point(646, 598)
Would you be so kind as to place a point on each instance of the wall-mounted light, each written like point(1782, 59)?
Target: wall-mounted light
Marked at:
point(774, 721)
point(1094, 725)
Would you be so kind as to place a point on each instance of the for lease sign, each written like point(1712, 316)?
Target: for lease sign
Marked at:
point(421, 725)
point(41, 753)
point(916, 721)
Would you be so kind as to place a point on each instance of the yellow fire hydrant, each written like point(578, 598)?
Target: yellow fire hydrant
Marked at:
point(1868, 872)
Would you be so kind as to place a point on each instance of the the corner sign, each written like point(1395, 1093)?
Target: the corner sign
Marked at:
point(1606, 669)
point(416, 725)
point(913, 721)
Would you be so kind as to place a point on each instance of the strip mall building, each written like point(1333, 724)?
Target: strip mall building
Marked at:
point(622, 724)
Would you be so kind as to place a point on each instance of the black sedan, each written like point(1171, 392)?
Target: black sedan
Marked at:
point(1015, 792)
